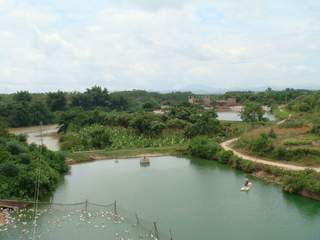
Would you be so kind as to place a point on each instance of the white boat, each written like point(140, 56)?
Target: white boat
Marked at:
point(246, 188)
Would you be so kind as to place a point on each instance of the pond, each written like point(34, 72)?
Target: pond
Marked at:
point(198, 199)
point(235, 116)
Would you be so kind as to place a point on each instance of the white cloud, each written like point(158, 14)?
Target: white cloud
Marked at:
point(159, 45)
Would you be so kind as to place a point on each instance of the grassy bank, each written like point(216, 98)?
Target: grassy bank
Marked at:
point(86, 156)
point(296, 145)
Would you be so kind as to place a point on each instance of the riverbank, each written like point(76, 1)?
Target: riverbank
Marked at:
point(95, 155)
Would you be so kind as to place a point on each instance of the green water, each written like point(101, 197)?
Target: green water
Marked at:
point(197, 199)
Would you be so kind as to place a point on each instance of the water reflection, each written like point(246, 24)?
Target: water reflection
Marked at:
point(235, 116)
point(306, 207)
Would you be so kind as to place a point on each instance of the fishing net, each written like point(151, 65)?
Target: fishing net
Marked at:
point(80, 221)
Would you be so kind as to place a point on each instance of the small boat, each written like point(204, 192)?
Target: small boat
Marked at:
point(246, 188)
point(145, 161)
point(116, 161)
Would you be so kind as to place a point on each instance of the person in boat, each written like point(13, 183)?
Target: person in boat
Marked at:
point(247, 183)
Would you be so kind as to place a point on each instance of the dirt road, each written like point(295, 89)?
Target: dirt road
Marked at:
point(227, 146)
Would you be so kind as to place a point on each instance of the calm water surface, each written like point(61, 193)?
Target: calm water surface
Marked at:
point(235, 116)
point(198, 199)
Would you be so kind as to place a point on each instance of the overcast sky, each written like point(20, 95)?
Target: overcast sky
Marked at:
point(159, 45)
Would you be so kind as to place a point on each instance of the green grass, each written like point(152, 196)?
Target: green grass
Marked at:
point(294, 123)
point(296, 142)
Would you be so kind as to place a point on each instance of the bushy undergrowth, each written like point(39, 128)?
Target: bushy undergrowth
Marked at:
point(316, 129)
point(19, 168)
point(115, 138)
point(294, 123)
point(264, 147)
point(296, 142)
point(307, 180)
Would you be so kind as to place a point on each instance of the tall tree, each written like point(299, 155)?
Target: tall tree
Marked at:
point(57, 101)
point(22, 96)
point(91, 98)
point(253, 112)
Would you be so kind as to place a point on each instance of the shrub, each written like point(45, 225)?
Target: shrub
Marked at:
point(22, 138)
point(156, 128)
point(95, 137)
point(71, 141)
point(15, 148)
point(9, 169)
point(224, 156)
point(308, 180)
point(262, 145)
point(25, 158)
point(295, 123)
point(176, 123)
point(203, 147)
point(316, 129)
point(203, 125)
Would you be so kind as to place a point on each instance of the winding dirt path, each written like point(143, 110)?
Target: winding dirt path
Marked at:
point(227, 146)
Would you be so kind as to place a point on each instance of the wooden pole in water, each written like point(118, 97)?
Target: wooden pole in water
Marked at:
point(156, 230)
point(115, 208)
point(171, 235)
point(86, 206)
point(138, 221)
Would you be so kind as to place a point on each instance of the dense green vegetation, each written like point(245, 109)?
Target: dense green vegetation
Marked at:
point(26, 109)
point(138, 129)
point(20, 164)
point(306, 103)
point(101, 137)
point(269, 97)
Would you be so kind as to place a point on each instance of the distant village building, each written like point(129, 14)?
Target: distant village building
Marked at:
point(227, 105)
point(205, 101)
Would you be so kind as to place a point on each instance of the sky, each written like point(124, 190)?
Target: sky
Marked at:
point(160, 45)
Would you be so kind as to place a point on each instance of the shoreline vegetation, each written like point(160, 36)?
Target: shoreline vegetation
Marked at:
point(95, 155)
